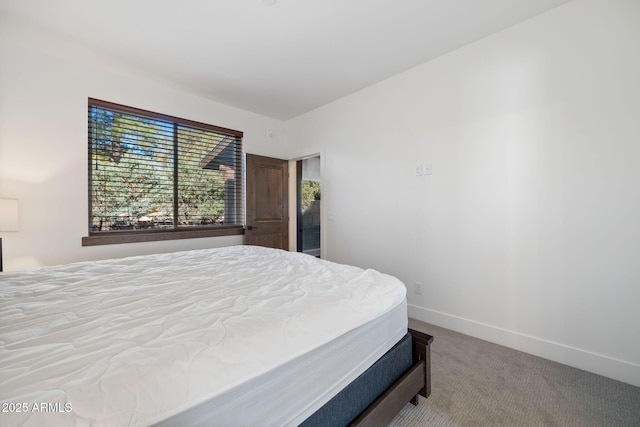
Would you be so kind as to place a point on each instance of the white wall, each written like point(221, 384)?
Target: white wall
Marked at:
point(44, 86)
point(527, 232)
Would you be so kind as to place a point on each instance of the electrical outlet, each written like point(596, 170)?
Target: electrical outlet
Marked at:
point(418, 288)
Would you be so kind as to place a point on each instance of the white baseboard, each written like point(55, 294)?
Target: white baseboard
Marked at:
point(600, 364)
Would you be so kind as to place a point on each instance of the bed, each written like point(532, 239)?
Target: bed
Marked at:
point(237, 336)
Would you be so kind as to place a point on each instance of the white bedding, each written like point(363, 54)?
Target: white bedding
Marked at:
point(138, 340)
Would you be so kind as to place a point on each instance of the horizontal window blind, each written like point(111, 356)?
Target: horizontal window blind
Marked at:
point(150, 172)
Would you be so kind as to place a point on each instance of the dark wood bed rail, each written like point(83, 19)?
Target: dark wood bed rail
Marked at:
point(422, 351)
point(416, 381)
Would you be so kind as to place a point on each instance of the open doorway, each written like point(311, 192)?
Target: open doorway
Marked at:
point(308, 205)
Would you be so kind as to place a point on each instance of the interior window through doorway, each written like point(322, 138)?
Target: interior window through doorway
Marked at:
point(309, 185)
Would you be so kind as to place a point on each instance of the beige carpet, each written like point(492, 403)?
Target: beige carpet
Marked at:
point(476, 383)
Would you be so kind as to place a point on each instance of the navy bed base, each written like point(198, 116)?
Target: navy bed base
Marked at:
point(379, 393)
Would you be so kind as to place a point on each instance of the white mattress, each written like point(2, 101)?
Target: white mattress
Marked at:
point(213, 337)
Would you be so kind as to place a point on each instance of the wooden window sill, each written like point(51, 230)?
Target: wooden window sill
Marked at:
point(117, 237)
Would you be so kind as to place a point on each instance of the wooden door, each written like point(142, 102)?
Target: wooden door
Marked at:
point(267, 202)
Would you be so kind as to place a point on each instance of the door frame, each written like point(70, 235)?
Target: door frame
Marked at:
point(293, 203)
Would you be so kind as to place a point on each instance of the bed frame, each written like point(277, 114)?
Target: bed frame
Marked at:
point(376, 396)
point(416, 381)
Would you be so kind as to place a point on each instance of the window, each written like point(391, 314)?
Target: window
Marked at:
point(156, 177)
point(309, 184)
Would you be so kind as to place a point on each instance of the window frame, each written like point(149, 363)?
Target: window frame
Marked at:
point(149, 235)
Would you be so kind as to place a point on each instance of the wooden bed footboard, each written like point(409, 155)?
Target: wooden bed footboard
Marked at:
point(417, 380)
point(422, 351)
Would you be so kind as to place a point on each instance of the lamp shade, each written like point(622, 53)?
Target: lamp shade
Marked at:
point(8, 215)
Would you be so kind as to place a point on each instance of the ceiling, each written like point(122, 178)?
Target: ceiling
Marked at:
point(279, 60)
